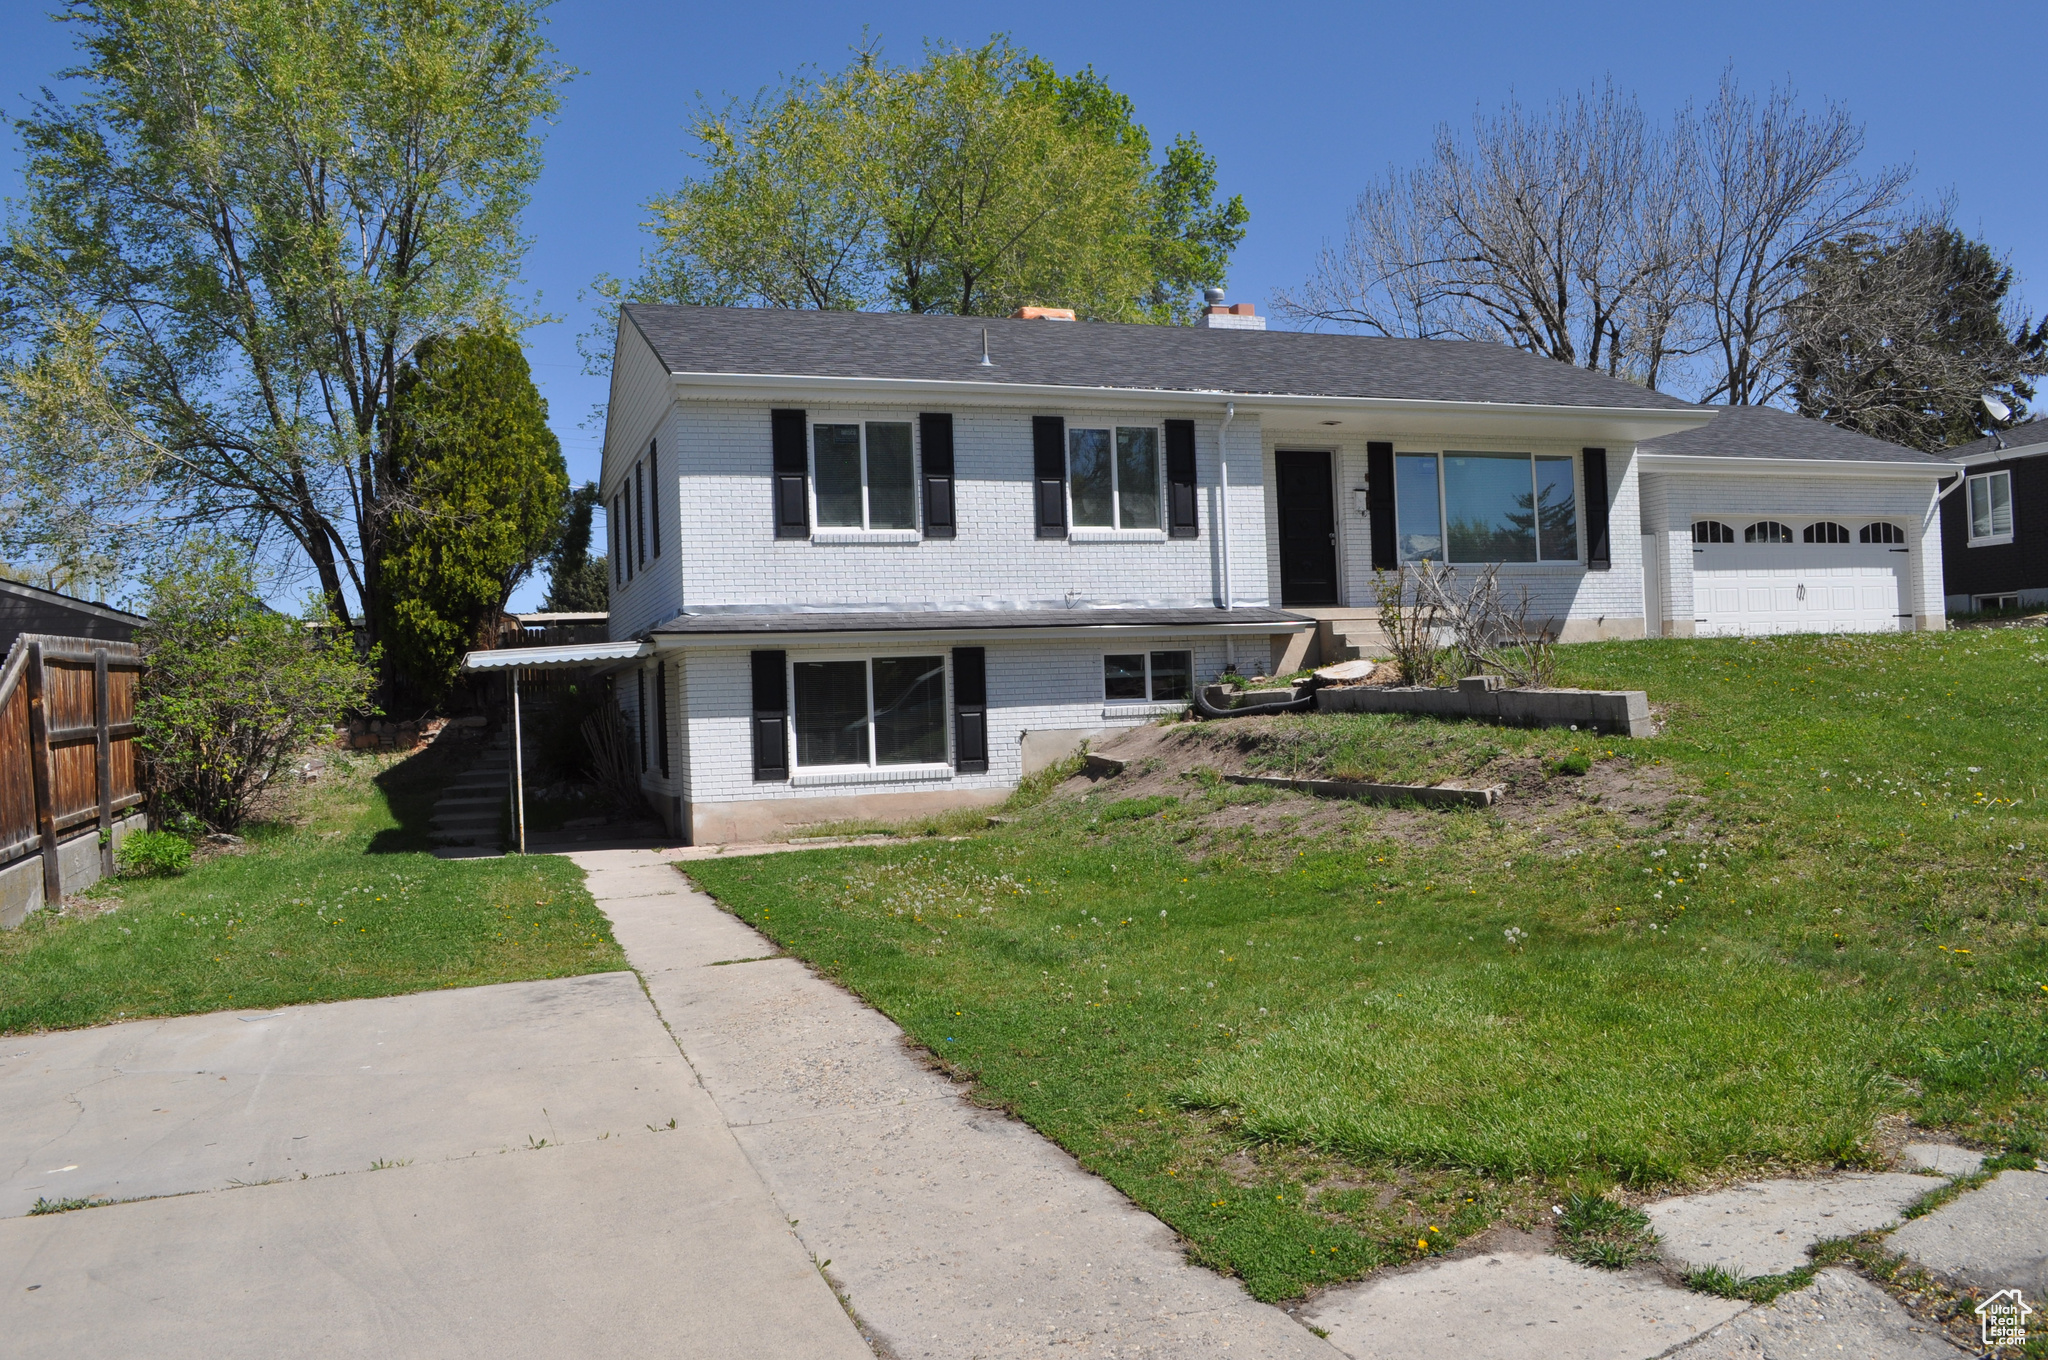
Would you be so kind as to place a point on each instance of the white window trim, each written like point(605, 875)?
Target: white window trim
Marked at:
point(1443, 507)
point(1991, 540)
point(863, 532)
point(870, 772)
point(1126, 707)
point(1114, 532)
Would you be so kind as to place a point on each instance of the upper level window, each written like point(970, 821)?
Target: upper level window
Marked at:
point(1487, 507)
point(1767, 531)
point(1113, 477)
point(1825, 531)
point(1990, 496)
point(1711, 531)
point(864, 476)
point(1881, 532)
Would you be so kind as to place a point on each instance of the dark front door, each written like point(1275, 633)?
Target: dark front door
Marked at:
point(1308, 529)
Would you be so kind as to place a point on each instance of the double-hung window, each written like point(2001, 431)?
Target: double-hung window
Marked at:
point(870, 711)
point(864, 475)
point(1990, 496)
point(1486, 507)
point(1113, 476)
point(1148, 677)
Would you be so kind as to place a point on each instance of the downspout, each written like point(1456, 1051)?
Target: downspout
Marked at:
point(1223, 494)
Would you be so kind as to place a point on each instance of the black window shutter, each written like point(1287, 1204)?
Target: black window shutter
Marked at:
point(1180, 480)
point(1049, 474)
point(792, 506)
point(1379, 506)
point(661, 714)
point(640, 714)
point(640, 510)
point(970, 710)
point(654, 485)
point(1598, 556)
point(771, 710)
point(935, 434)
point(618, 558)
point(626, 523)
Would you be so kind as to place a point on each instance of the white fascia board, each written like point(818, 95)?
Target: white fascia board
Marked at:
point(676, 642)
point(554, 658)
point(1617, 424)
point(2004, 455)
point(1797, 467)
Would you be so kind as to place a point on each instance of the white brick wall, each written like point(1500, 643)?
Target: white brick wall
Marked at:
point(1033, 686)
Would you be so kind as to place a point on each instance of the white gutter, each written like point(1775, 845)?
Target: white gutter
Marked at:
point(1223, 495)
point(669, 642)
point(1649, 422)
point(1796, 467)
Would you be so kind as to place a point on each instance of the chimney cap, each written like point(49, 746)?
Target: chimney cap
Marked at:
point(1213, 295)
point(1043, 314)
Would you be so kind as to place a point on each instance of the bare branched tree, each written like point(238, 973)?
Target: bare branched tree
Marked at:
point(1583, 233)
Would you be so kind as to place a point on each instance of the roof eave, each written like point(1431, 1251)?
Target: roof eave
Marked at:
point(2002, 455)
point(1629, 424)
point(904, 636)
point(1800, 467)
point(554, 658)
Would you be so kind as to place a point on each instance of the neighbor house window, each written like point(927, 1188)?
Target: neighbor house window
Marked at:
point(1113, 477)
point(1767, 531)
point(1991, 508)
point(1825, 531)
point(884, 710)
point(1881, 532)
point(1487, 507)
point(864, 476)
point(1155, 677)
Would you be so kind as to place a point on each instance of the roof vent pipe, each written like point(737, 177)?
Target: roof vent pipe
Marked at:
point(986, 362)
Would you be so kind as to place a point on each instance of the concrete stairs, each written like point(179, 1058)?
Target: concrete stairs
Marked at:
point(470, 811)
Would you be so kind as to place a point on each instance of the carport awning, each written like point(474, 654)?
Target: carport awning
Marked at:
point(573, 654)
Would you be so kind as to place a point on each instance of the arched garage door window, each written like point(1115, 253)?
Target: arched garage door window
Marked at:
point(1767, 531)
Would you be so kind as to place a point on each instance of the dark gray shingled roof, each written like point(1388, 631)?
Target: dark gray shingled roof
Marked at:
point(1766, 432)
point(783, 342)
point(953, 620)
point(2018, 437)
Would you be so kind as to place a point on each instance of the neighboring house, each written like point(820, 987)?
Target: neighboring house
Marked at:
point(31, 609)
point(1994, 529)
point(877, 564)
point(1762, 521)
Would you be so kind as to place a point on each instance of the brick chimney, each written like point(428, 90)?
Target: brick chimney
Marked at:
point(1237, 316)
point(1043, 314)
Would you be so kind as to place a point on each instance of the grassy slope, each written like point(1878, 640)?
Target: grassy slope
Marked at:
point(1317, 1057)
point(341, 903)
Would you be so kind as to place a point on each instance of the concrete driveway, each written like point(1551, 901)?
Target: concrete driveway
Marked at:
point(550, 1179)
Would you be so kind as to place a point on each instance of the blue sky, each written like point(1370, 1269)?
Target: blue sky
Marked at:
point(1301, 104)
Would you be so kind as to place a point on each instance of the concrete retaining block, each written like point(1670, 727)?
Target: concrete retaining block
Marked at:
point(78, 868)
point(1439, 795)
point(1616, 712)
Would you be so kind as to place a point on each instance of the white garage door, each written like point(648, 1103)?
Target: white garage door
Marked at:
point(1749, 588)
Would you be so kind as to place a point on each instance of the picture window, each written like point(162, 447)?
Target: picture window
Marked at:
point(884, 710)
point(1486, 507)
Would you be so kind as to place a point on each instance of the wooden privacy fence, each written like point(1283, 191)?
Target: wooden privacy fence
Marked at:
point(67, 748)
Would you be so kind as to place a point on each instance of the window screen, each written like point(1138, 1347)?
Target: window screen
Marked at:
point(892, 477)
point(1137, 478)
point(836, 474)
point(1123, 676)
point(910, 710)
point(831, 712)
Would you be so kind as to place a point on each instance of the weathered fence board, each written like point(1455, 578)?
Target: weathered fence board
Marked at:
point(68, 764)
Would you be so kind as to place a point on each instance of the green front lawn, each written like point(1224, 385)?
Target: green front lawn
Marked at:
point(1320, 1038)
point(337, 900)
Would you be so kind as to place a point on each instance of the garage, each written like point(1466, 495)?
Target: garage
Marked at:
point(1754, 576)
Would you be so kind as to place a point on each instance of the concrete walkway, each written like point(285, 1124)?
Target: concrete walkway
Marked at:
point(556, 1183)
point(953, 1231)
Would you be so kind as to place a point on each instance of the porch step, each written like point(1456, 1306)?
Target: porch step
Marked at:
point(1352, 640)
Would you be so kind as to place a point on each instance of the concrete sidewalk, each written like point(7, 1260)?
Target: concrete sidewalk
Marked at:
point(953, 1231)
point(558, 1184)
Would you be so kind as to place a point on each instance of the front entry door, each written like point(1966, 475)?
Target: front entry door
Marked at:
point(1308, 528)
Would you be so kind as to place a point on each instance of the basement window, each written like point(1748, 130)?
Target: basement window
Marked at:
point(1148, 677)
point(870, 712)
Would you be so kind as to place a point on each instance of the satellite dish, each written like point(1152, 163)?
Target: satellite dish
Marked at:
point(1993, 407)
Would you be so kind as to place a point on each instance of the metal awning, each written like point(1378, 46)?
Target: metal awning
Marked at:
point(554, 658)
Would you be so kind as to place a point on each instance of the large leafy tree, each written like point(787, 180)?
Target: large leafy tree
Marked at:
point(976, 182)
point(228, 246)
point(1896, 336)
point(484, 489)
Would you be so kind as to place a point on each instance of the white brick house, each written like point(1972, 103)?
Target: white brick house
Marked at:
point(872, 564)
